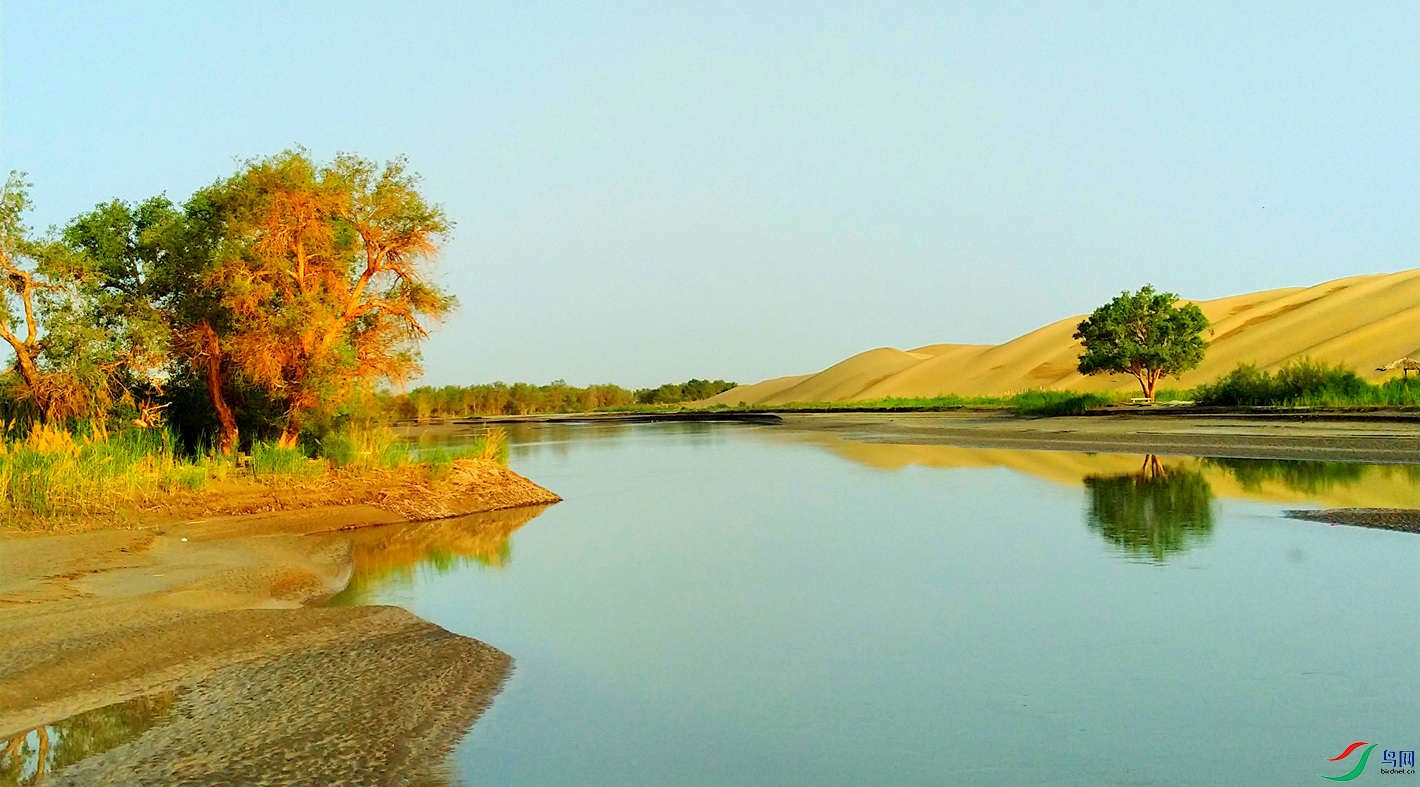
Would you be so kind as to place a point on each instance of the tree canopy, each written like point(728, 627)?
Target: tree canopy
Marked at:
point(524, 398)
point(1145, 334)
point(326, 278)
point(278, 295)
point(73, 349)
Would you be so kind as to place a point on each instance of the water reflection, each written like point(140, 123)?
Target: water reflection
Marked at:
point(34, 754)
point(1309, 477)
point(741, 609)
point(386, 556)
point(1327, 484)
point(556, 437)
point(1152, 513)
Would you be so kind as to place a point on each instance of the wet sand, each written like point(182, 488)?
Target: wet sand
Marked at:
point(1362, 439)
point(1406, 520)
point(214, 621)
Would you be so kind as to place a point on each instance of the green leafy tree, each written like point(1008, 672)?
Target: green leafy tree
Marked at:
point(78, 342)
point(1145, 334)
point(20, 283)
point(152, 265)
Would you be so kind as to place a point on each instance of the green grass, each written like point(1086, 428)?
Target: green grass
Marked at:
point(1033, 402)
point(269, 459)
point(440, 457)
point(1301, 384)
point(1053, 403)
point(51, 473)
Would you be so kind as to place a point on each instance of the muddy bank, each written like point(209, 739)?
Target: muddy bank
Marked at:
point(1403, 519)
point(1238, 437)
point(196, 650)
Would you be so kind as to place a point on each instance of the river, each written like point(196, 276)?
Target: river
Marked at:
point(731, 604)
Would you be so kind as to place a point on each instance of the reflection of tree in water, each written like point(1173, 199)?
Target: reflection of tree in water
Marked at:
point(391, 555)
point(1152, 513)
point(1306, 476)
point(33, 754)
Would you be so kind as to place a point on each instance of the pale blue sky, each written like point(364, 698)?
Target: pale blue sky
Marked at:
point(652, 192)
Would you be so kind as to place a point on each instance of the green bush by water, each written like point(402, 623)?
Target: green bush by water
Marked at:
point(1305, 383)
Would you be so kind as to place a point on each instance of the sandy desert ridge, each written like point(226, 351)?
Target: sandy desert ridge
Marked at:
point(1362, 322)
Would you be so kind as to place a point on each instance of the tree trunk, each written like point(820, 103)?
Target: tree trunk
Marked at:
point(29, 372)
point(212, 351)
point(1146, 383)
point(290, 434)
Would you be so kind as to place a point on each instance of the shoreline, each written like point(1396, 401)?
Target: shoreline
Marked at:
point(771, 415)
point(196, 636)
point(1404, 520)
point(1384, 438)
point(367, 497)
point(1384, 442)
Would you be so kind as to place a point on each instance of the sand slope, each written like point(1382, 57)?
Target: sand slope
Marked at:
point(1362, 322)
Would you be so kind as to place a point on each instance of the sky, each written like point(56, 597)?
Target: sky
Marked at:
point(644, 193)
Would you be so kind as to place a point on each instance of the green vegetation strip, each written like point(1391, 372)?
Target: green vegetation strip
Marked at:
point(52, 473)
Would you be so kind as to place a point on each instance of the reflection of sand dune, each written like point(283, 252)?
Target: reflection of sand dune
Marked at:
point(1362, 322)
point(1331, 484)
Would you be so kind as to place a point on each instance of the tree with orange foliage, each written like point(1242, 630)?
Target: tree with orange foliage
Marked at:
point(328, 279)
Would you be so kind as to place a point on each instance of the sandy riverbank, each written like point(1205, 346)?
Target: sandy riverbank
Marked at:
point(195, 648)
point(365, 496)
point(1365, 439)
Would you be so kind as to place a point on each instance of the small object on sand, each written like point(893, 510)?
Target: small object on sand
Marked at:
point(1406, 365)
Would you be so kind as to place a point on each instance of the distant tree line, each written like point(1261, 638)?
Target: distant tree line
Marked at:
point(454, 401)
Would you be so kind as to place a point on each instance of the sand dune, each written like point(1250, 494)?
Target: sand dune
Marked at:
point(1361, 322)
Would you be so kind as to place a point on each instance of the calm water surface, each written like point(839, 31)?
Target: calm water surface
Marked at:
point(725, 604)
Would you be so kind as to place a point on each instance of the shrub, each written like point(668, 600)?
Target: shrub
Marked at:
point(1300, 383)
point(340, 449)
